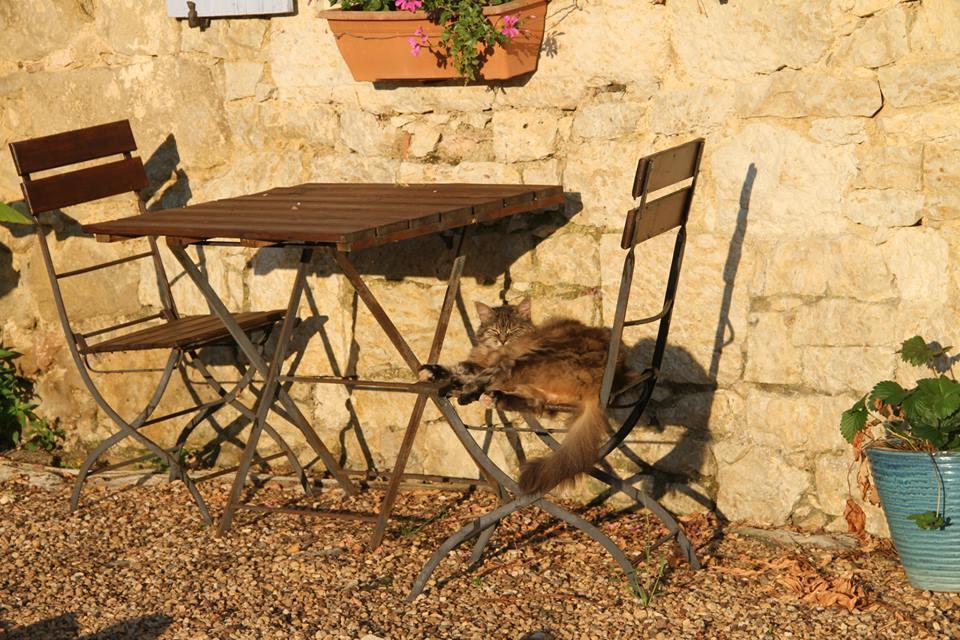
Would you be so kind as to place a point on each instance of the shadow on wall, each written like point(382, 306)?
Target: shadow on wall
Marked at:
point(66, 627)
point(676, 469)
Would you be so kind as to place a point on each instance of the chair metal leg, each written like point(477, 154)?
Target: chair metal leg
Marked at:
point(131, 429)
point(243, 341)
point(610, 478)
point(249, 414)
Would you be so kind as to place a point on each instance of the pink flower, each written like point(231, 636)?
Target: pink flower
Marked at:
point(408, 5)
point(414, 46)
point(419, 33)
point(510, 26)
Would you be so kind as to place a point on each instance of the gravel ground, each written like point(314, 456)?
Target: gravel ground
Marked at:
point(136, 563)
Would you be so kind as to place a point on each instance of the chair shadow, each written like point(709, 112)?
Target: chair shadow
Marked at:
point(66, 627)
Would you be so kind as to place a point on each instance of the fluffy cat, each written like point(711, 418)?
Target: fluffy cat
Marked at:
point(520, 366)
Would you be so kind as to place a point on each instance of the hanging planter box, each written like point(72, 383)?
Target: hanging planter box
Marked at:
point(374, 43)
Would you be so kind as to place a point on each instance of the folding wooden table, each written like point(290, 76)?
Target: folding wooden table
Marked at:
point(337, 219)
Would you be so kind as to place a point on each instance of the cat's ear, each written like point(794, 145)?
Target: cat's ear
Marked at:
point(483, 311)
point(523, 308)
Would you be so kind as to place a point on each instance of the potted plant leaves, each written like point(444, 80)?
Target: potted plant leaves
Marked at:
point(438, 39)
point(916, 463)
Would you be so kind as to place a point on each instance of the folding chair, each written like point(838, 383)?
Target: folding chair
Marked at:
point(664, 184)
point(182, 335)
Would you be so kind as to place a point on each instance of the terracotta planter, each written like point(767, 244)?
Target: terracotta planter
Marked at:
point(374, 43)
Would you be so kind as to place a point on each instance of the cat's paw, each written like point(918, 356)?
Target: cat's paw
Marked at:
point(432, 373)
point(489, 399)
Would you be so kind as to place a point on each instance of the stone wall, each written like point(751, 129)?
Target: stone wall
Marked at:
point(822, 235)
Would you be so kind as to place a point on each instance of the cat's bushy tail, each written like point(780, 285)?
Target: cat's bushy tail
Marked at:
point(577, 453)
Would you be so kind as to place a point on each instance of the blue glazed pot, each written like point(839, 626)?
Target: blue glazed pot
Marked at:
point(907, 484)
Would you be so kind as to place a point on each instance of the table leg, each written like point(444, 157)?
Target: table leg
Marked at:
point(253, 356)
point(389, 499)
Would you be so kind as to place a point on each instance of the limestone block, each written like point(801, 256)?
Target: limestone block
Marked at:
point(302, 54)
point(845, 322)
point(572, 59)
point(354, 167)
point(366, 134)
point(685, 110)
point(710, 44)
point(941, 181)
point(771, 356)
point(880, 40)
point(470, 172)
point(36, 29)
point(846, 266)
point(424, 137)
point(831, 473)
point(929, 122)
point(288, 119)
point(607, 119)
point(241, 78)
point(884, 207)
point(543, 92)
point(132, 28)
point(569, 258)
point(711, 295)
point(400, 99)
point(687, 498)
point(542, 172)
point(933, 29)
point(521, 134)
point(889, 166)
point(602, 173)
point(92, 300)
point(798, 185)
point(919, 258)
point(855, 370)
point(920, 83)
point(793, 423)
point(843, 130)
point(760, 487)
point(797, 94)
point(227, 39)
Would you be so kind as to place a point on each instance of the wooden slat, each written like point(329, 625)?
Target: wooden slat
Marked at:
point(656, 217)
point(183, 332)
point(668, 167)
point(348, 215)
point(71, 147)
point(85, 185)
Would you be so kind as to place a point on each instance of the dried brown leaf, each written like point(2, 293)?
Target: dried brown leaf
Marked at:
point(855, 517)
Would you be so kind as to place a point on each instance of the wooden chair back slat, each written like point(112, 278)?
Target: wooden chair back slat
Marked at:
point(658, 217)
point(84, 185)
point(668, 167)
point(80, 145)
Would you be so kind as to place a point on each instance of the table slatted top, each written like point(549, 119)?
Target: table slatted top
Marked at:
point(351, 216)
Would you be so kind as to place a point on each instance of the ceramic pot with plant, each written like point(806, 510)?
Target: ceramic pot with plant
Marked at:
point(915, 460)
point(438, 39)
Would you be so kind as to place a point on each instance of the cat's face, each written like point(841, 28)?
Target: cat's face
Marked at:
point(499, 325)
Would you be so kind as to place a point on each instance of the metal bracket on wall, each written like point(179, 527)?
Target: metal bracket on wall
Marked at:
point(194, 20)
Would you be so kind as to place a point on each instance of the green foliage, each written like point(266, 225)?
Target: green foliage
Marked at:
point(19, 423)
point(9, 214)
point(468, 37)
point(928, 520)
point(854, 419)
point(924, 418)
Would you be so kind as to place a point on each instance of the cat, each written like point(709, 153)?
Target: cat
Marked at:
point(521, 366)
